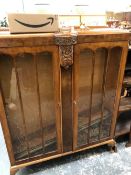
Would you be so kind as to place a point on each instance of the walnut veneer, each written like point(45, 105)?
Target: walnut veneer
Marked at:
point(59, 94)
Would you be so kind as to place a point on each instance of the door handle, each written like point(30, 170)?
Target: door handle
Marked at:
point(75, 102)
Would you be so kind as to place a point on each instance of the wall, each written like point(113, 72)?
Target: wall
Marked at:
point(96, 10)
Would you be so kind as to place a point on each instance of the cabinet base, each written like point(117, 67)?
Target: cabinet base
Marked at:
point(111, 143)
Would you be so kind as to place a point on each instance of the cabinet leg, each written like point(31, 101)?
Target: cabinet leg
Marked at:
point(112, 146)
point(13, 172)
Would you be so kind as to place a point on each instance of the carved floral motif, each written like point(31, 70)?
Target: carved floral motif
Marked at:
point(65, 43)
point(66, 56)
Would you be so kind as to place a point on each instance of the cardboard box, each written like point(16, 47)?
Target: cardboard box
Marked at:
point(32, 23)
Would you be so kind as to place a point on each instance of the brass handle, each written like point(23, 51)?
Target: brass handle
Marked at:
point(75, 102)
point(59, 104)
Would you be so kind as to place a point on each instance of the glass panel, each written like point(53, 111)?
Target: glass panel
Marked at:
point(110, 89)
point(84, 100)
point(13, 111)
point(97, 93)
point(47, 101)
point(28, 88)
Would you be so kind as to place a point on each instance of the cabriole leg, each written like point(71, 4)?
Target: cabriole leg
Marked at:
point(112, 146)
point(13, 172)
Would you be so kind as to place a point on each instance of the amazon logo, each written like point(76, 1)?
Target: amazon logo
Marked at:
point(50, 20)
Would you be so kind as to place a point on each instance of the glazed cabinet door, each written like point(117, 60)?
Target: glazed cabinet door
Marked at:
point(96, 75)
point(30, 88)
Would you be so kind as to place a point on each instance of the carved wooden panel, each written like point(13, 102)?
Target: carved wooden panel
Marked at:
point(66, 49)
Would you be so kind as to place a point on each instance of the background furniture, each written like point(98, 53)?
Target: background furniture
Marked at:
point(59, 94)
point(129, 142)
point(123, 124)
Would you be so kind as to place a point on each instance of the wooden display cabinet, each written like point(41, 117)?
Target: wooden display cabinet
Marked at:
point(59, 94)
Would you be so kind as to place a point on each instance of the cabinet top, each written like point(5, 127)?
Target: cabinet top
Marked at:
point(39, 39)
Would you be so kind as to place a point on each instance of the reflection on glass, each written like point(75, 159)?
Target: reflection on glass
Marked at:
point(98, 74)
point(47, 101)
point(25, 67)
point(110, 90)
point(97, 93)
point(27, 85)
point(94, 130)
point(85, 72)
point(13, 111)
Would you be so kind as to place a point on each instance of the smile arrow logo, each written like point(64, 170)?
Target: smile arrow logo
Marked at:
point(50, 21)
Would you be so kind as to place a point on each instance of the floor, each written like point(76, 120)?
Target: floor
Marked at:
point(98, 161)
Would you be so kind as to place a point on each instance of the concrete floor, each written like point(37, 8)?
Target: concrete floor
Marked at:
point(98, 161)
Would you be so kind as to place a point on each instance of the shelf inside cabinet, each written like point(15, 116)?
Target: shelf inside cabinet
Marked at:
point(125, 104)
point(123, 123)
